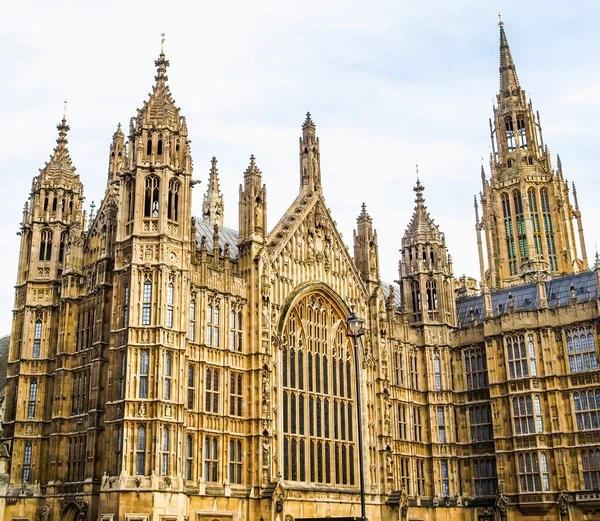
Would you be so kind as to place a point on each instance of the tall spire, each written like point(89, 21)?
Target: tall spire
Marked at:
point(213, 206)
point(509, 80)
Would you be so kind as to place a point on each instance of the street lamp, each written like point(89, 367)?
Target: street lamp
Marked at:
point(355, 329)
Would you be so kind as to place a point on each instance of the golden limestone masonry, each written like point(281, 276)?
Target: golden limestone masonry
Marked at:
point(165, 368)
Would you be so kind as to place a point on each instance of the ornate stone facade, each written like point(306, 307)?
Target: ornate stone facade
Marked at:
point(163, 367)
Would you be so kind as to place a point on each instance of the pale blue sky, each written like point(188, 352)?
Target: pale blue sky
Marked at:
point(389, 84)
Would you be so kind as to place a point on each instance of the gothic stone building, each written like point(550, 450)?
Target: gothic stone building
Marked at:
point(165, 368)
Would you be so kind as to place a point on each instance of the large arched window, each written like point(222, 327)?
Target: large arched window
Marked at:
point(151, 196)
point(173, 200)
point(318, 388)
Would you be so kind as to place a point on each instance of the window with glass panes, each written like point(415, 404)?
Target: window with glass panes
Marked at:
point(405, 475)
point(189, 457)
point(166, 446)
point(211, 459)
point(486, 481)
point(193, 320)
point(521, 358)
point(140, 451)
point(441, 425)
point(212, 390)
point(191, 395)
point(170, 299)
point(143, 375)
point(318, 395)
point(480, 418)
point(527, 414)
point(402, 421)
point(421, 476)
point(37, 339)
point(590, 466)
point(445, 477)
point(235, 329)
point(32, 398)
point(587, 409)
point(437, 373)
point(168, 375)
point(417, 426)
point(398, 368)
point(581, 348)
point(213, 314)
point(476, 369)
point(533, 477)
point(235, 394)
point(27, 462)
point(235, 461)
point(147, 301)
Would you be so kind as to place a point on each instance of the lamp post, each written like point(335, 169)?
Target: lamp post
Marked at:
point(355, 330)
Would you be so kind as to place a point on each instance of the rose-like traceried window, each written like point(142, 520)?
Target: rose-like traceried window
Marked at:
point(319, 412)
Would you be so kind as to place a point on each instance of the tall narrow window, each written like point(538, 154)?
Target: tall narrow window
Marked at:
point(168, 375)
point(61, 247)
point(122, 374)
point(545, 473)
point(480, 418)
point(119, 451)
point(431, 291)
point(510, 134)
point(151, 196)
point(522, 131)
point(144, 367)
point(402, 422)
point(126, 305)
point(191, 397)
point(235, 394)
point(37, 339)
point(173, 200)
point(211, 459)
point(147, 302)
point(486, 481)
point(535, 222)
point(130, 190)
point(548, 229)
point(165, 450)
point(235, 333)
point(441, 425)
point(149, 146)
point(32, 399)
point(159, 148)
point(45, 245)
point(193, 320)
point(445, 478)
point(189, 458)
point(539, 425)
point(140, 453)
point(209, 327)
point(27, 462)
point(521, 228)
point(523, 415)
point(510, 237)
point(170, 289)
point(216, 328)
point(212, 390)
point(416, 299)
point(235, 461)
point(437, 371)
point(420, 464)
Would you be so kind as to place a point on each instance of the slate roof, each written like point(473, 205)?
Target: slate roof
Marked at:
point(226, 235)
point(525, 297)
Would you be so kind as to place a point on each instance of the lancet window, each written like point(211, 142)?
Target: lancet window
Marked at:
point(521, 229)
point(535, 222)
point(45, 245)
point(318, 395)
point(510, 236)
point(173, 200)
point(151, 196)
point(522, 131)
point(510, 133)
point(548, 229)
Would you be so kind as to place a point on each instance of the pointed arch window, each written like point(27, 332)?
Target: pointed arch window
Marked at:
point(521, 228)
point(45, 245)
point(535, 222)
point(522, 131)
point(147, 302)
point(510, 134)
point(54, 203)
point(46, 204)
point(416, 299)
point(173, 200)
point(437, 371)
point(32, 398)
point(130, 195)
point(159, 147)
point(170, 291)
point(140, 454)
point(548, 229)
point(37, 339)
point(318, 418)
point(509, 232)
point(61, 248)
point(432, 301)
point(149, 146)
point(151, 196)
point(27, 462)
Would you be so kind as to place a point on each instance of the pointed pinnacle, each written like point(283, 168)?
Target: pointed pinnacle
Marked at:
point(308, 122)
point(509, 80)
